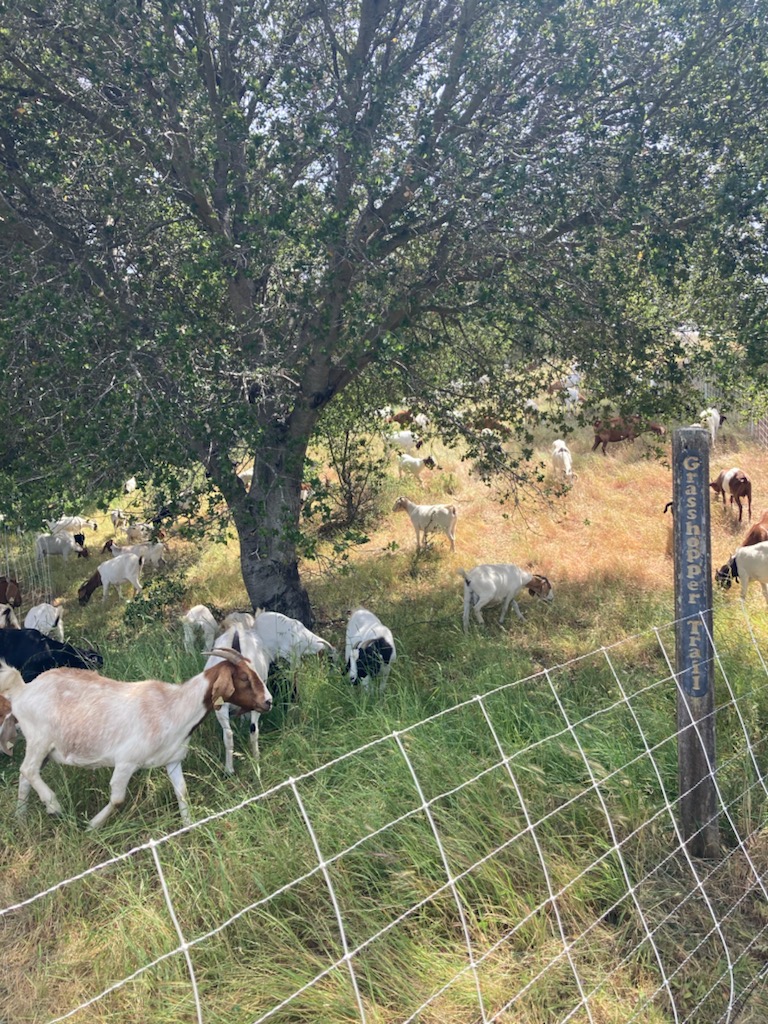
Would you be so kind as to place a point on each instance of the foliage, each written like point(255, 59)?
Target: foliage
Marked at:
point(216, 217)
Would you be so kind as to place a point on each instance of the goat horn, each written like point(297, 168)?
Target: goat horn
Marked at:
point(228, 654)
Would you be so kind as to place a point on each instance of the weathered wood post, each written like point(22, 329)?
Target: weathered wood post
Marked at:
point(694, 658)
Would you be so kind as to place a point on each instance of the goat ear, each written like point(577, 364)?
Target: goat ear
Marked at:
point(223, 686)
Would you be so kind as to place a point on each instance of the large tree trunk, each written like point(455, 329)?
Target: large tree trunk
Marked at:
point(267, 522)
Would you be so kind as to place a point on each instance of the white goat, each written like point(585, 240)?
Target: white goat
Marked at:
point(151, 553)
point(8, 618)
point(711, 420)
point(288, 638)
point(200, 618)
point(430, 517)
point(409, 465)
point(47, 619)
point(406, 440)
point(246, 475)
point(118, 518)
point(71, 524)
point(82, 718)
point(562, 462)
point(500, 584)
point(253, 649)
point(63, 544)
point(139, 533)
point(130, 485)
point(370, 648)
point(245, 619)
point(751, 563)
point(113, 573)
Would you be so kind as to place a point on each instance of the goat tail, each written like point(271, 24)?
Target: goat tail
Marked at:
point(11, 680)
point(462, 573)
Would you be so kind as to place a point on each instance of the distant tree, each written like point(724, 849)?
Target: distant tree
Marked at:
point(216, 216)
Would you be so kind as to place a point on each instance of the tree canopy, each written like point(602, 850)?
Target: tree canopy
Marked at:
point(215, 216)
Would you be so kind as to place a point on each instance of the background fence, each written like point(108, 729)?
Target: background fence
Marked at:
point(580, 799)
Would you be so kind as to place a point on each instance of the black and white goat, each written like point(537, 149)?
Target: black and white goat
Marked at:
point(370, 650)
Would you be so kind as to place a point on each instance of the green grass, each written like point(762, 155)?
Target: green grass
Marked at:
point(66, 947)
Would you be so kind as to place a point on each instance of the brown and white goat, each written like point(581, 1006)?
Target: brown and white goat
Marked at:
point(738, 485)
point(10, 591)
point(83, 718)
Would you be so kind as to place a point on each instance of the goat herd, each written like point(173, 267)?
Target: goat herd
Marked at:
point(74, 715)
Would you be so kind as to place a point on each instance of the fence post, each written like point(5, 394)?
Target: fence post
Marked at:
point(693, 658)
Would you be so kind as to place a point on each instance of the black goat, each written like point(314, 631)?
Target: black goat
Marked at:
point(32, 652)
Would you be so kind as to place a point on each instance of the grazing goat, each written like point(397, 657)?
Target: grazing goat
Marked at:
point(151, 553)
point(712, 420)
point(403, 417)
point(63, 544)
point(500, 584)
point(70, 524)
point(748, 563)
point(139, 533)
point(113, 573)
point(199, 618)
point(8, 618)
point(618, 428)
point(32, 652)
point(756, 534)
point(409, 465)
point(47, 619)
point(289, 639)
point(10, 591)
point(406, 440)
point(492, 425)
point(118, 519)
point(427, 518)
point(562, 461)
point(370, 649)
point(85, 719)
point(738, 485)
point(253, 649)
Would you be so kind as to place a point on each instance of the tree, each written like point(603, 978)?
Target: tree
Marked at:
point(215, 216)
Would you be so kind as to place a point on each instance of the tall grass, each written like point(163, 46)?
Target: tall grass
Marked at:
point(603, 547)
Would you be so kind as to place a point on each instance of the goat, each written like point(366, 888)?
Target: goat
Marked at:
point(113, 573)
point(245, 619)
point(118, 519)
point(756, 534)
point(500, 584)
point(491, 424)
point(139, 533)
point(738, 485)
point(430, 517)
point(86, 719)
point(151, 553)
point(8, 732)
point(406, 440)
point(253, 649)
point(46, 618)
point(712, 420)
point(289, 639)
point(747, 564)
point(32, 652)
point(10, 591)
point(246, 475)
point(199, 617)
point(404, 417)
point(8, 618)
point(70, 524)
point(618, 428)
point(63, 544)
point(370, 648)
point(562, 461)
point(409, 465)
point(130, 485)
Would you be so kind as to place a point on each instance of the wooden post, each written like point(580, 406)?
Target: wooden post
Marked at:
point(693, 655)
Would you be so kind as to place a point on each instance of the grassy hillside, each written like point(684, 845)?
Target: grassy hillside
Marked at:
point(603, 547)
